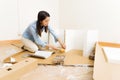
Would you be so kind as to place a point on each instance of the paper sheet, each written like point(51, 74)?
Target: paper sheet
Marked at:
point(44, 54)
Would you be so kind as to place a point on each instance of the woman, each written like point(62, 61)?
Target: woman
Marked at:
point(32, 35)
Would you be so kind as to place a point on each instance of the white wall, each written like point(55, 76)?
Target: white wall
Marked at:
point(103, 15)
point(28, 10)
point(77, 14)
point(16, 15)
point(108, 20)
point(8, 19)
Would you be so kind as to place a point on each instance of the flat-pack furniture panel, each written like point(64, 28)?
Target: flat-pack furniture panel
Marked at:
point(17, 70)
point(90, 40)
point(74, 39)
point(103, 70)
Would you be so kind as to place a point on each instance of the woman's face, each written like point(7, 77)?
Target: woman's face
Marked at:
point(45, 22)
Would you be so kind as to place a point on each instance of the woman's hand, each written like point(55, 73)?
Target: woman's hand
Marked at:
point(63, 46)
point(53, 47)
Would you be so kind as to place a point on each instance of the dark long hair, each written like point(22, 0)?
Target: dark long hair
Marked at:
point(41, 16)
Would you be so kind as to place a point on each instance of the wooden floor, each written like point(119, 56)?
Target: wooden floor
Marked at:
point(59, 73)
point(12, 47)
point(72, 57)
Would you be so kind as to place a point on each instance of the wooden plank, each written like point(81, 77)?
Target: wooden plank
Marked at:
point(9, 47)
point(17, 70)
point(72, 57)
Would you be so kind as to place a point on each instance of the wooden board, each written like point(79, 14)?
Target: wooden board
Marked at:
point(72, 57)
point(17, 70)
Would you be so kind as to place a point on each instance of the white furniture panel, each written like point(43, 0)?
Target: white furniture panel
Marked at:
point(74, 39)
point(90, 39)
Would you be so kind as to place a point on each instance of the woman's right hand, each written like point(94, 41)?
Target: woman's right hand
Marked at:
point(53, 47)
point(63, 46)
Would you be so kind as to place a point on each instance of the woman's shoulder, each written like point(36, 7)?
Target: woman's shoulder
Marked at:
point(49, 27)
point(33, 23)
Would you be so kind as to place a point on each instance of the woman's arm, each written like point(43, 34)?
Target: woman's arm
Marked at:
point(56, 37)
point(36, 37)
point(54, 47)
point(51, 46)
point(62, 44)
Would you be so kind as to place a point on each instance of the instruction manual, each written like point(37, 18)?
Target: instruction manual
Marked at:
point(42, 54)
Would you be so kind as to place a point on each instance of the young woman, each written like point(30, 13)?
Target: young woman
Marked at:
point(32, 35)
